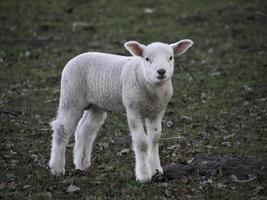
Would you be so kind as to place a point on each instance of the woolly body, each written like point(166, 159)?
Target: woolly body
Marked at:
point(102, 77)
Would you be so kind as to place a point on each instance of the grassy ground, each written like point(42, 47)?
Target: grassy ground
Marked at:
point(218, 107)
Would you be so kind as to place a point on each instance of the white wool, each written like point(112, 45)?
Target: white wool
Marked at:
point(94, 83)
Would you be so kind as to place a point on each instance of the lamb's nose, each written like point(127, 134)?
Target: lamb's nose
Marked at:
point(161, 71)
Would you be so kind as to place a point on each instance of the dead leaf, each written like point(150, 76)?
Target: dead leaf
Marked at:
point(2, 186)
point(167, 193)
point(227, 144)
point(12, 185)
point(247, 88)
point(258, 189)
point(175, 146)
point(27, 53)
point(26, 186)
point(186, 118)
point(220, 185)
point(72, 188)
point(80, 25)
point(236, 180)
point(10, 176)
point(123, 151)
point(228, 136)
point(148, 11)
point(167, 123)
point(190, 160)
point(209, 181)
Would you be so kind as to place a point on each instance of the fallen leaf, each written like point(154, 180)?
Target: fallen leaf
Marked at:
point(220, 185)
point(82, 25)
point(209, 181)
point(167, 123)
point(175, 146)
point(186, 118)
point(228, 136)
point(12, 186)
point(258, 189)
point(148, 11)
point(2, 186)
point(167, 193)
point(10, 176)
point(26, 186)
point(73, 188)
point(236, 180)
point(226, 144)
point(190, 160)
point(245, 87)
point(34, 157)
point(123, 151)
point(27, 53)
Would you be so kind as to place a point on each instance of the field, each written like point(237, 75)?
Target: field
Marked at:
point(218, 111)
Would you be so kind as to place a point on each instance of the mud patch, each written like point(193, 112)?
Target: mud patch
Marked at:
point(243, 168)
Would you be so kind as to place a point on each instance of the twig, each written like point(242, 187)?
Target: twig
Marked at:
point(11, 112)
point(178, 137)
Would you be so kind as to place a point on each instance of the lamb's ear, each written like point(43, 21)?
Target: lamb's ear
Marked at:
point(135, 48)
point(181, 46)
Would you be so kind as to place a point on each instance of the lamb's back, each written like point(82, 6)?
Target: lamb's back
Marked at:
point(102, 79)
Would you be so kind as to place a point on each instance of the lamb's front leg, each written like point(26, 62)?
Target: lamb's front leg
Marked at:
point(140, 147)
point(154, 131)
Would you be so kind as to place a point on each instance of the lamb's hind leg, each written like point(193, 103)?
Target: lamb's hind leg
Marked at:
point(63, 126)
point(85, 135)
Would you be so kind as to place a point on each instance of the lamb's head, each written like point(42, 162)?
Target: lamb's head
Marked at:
point(158, 58)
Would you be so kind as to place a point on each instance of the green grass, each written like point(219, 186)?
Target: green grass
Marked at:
point(220, 89)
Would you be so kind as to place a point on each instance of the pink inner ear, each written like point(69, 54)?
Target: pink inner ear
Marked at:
point(181, 47)
point(135, 48)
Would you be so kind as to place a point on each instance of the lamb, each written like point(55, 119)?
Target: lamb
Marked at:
point(94, 83)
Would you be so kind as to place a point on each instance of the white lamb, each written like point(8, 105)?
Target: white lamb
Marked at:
point(94, 83)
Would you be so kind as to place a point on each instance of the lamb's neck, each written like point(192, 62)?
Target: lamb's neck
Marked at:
point(152, 90)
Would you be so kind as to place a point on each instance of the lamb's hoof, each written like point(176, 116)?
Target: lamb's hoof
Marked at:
point(158, 176)
point(144, 177)
point(56, 171)
point(83, 167)
point(159, 170)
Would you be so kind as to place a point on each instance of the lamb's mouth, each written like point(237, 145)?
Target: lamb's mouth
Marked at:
point(161, 77)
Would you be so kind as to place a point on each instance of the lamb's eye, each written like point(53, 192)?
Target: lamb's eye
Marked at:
point(147, 59)
point(170, 58)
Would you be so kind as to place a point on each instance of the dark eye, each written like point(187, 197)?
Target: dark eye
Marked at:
point(170, 58)
point(147, 59)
